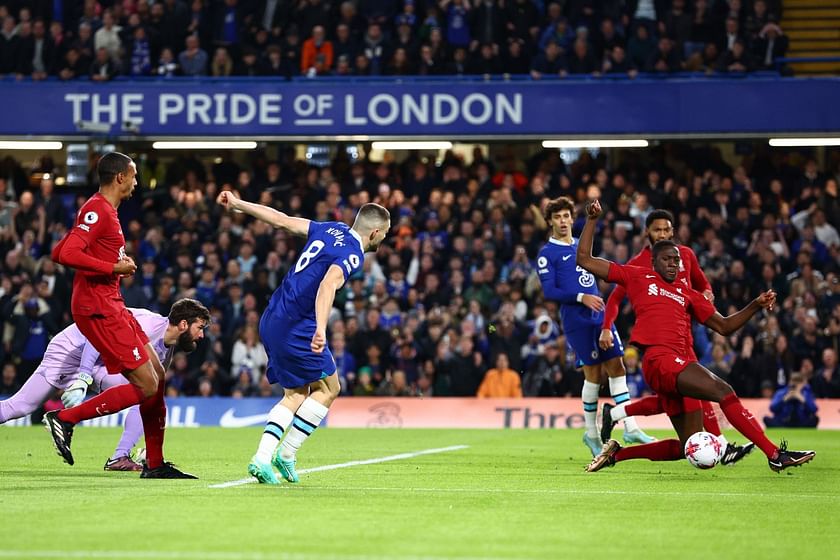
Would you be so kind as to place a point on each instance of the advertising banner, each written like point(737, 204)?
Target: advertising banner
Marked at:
point(379, 412)
point(405, 108)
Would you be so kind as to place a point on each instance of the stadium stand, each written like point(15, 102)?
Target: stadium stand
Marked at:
point(470, 37)
point(456, 285)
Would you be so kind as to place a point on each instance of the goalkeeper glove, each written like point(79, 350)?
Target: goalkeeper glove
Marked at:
point(75, 393)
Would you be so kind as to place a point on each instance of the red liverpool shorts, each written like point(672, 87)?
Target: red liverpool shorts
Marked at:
point(119, 339)
point(660, 370)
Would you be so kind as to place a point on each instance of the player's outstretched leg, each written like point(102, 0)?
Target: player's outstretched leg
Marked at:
point(34, 392)
point(698, 382)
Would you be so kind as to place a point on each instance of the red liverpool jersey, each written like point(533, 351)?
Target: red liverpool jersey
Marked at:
point(690, 271)
point(92, 247)
point(663, 310)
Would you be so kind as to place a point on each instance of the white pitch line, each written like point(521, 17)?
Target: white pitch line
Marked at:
point(215, 555)
point(398, 457)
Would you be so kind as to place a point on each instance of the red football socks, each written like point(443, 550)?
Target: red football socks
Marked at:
point(744, 421)
point(710, 421)
point(107, 402)
point(663, 450)
point(153, 413)
point(647, 406)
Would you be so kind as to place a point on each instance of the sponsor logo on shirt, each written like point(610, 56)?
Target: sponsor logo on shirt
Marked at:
point(654, 290)
point(679, 361)
point(567, 257)
point(586, 279)
point(136, 353)
point(84, 227)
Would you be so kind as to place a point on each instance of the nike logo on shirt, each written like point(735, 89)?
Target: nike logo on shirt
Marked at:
point(567, 257)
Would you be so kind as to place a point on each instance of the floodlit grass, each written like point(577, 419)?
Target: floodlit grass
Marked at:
point(510, 494)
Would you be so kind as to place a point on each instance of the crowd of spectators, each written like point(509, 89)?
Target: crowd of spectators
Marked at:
point(453, 292)
point(100, 39)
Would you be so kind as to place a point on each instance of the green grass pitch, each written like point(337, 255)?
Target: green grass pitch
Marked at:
point(509, 494)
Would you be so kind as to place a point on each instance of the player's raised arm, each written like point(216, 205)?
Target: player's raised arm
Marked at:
point(730, 324)
point(597, 266)
point(295, 226)
point(332, 282)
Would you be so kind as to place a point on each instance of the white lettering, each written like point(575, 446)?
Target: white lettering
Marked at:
point(132, 108)
point(513, 112)
point(198, 106)
point(411, 108)
point(486, 108)
point(324, 103)
point(170, 104)
point(393, 106)
point(220, 117)
point(349, 117)
point(98, 109)
point(238, 99)
point(438, 115)
point(269, 105)
point(77, 99)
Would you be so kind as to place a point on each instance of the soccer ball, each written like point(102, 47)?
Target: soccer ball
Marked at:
point(703, 450)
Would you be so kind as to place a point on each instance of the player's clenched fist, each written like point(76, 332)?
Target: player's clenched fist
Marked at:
point(767, 300)
point(227, 200)
point(593, 209)
point(319, 341)
point(125, 266)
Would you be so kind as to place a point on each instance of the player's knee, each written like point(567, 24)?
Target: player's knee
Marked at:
point(150, 387)
point(722, 389)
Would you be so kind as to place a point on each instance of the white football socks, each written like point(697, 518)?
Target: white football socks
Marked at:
point(590, 407)
point(307, 418)
point(621, 395)
point(279, 419)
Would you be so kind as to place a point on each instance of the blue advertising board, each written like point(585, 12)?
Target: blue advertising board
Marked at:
point(330, 109)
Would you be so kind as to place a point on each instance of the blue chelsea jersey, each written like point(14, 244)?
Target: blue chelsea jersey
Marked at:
point(562, 280)
point(328, 243)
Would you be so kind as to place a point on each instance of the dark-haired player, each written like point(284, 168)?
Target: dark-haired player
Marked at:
point(95, 248)
point(581, 312)
point(659, 226)
point(664, 307)
point(71, 364)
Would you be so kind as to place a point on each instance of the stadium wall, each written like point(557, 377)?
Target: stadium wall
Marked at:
point(378, 412)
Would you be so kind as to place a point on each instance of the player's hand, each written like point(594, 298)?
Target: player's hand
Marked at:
point(75, 393)
point(595, 303)
point(125, 267)
point(227, 200)
point(605, 339)
point(767, 300)
point(319, 341)
point(593, 209)
point(709, 295)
